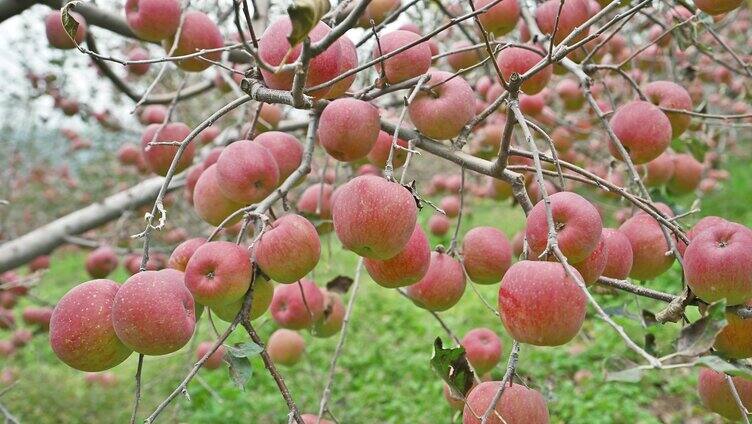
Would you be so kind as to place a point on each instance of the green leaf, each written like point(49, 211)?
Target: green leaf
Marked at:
point(240, 370)
point(631, 375)
point(452, 366)
point(244, 350)
point(304, 15)
point(722, 365)
point(698, 337)
point(70, 25)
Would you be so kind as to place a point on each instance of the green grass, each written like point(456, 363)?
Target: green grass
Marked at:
point(383, 375)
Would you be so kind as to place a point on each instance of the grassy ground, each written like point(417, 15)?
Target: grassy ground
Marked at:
point(383, 375)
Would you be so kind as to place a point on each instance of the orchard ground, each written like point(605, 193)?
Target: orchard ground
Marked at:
point(383, 375)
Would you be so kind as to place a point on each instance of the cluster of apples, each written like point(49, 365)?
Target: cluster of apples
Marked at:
point(156, 21)
point(36, 319)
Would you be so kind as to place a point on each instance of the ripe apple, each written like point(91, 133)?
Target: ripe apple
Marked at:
point(592, 267)
point(618, 254)
point(407, 64)
point(379, 154)
point(442, 286)
point(153, 20)
point(160, 157)
point(263, 291)
point(687, 174)
point(153, 312)
point(669, 94)
point(518, 404)
point(56, 35)
point(247, 172)
point(286, 150)
point(199, 32)
point(218, 273)
point(274, 48)
point(308, 203)
point(550, 320)
point(209, 201)
point(649, 247)
point(718, 264)
point(348, 129)
point(643, 129)
point(332, 319)
point(486, 255)
point(443, 112)
point(297, 306)
point(138, 69)
point(289, 249)
point(81, 328)
point(373, 217)
point(101, 262)
point(407, 267)
point(521, 60)
point(285, 347)
point(715, 393)
point(185, 250)
point(214, 360)
point(500, 18)
point(578, 226)
point(482, 349)
point(438, 224)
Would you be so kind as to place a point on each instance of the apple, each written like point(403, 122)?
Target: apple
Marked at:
point(518, 404)
point(407, 267)
point(438, 224)
point(643, 129)
point(138, 69)
point(444, 111)
point(718, 264)
point(465, 57)
point(501, 18)
point(649, 247)
point(348, 129)
point(81, 327)
point(407, 64)
point(285, 347)
point(486, 255)
point(618, 254)
point(717, 7)
point(214, 360)
point(37, 316)
point(578, 226)
point(550, 320)
point(199, 32)
point(687, 174)
point(348, 62)
point(183, 252)
point(101, 262)
point(247, 172)
point(373, 217)
point(592, 267)
point(153, 20)
point(573, 14)
point(442, 286)
point(263, 291)
point(521, 60)
point(668, 94)
point(218, 273)
point(153, 114)
point(659, 170)
point(716, 395)
point(154, 313)
point(331, 321)
point(482, 349)
point(379, 154)
point(160, 157)
point(297, 306)
point(286, 150)
point(210, 202)
point(289, 249)
point(56, 35)
point(274, 48)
